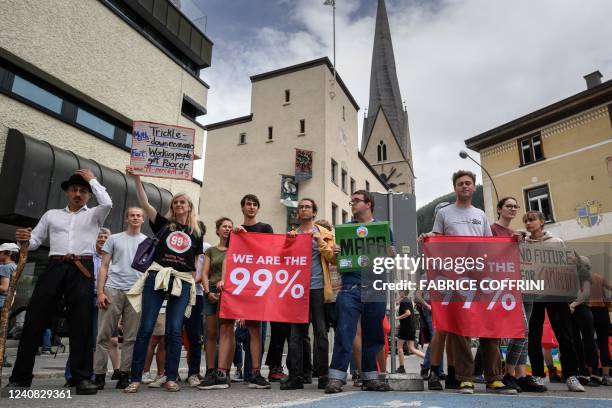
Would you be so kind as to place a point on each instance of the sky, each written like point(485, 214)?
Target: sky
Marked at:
point(464, 66)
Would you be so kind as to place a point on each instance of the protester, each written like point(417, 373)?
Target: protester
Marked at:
point(171, 274)
point(115, 279)
point(516, 356)
point(214, 258)
point(250, 207)
point(8, 256)
point(407, 330)
point(600, 308)
point(72, 233)
point(350, 309)
point(463, 219)
point(558, 313)
point(320, 291)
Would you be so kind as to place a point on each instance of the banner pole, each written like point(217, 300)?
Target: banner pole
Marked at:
point(390, 293)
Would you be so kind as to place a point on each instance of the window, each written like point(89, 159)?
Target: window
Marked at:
point(343, 113)
point(334, 214)
point(287, 95)
point(343, 178)
point(270, 133)
point(302, 126)
point(334, 172)
point(381, 151)
point(538, 199)
point(37, 95)
point(531, 149)
point(94, 123)
point(344, 217)
point(352, 186)
point(367, 185)
point(191, 109)
point(242, 138)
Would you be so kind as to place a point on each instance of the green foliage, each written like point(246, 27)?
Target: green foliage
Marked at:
point(425, 213)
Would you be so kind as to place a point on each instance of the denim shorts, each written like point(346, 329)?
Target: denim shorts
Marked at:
point(210, 309)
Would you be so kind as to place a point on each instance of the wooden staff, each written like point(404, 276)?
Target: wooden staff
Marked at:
point(8, 302)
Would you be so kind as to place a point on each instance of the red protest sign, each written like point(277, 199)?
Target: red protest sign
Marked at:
point(474, 285)
point(267, 278)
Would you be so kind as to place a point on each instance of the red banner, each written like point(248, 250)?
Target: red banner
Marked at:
point(474, 285)
point(267, 278)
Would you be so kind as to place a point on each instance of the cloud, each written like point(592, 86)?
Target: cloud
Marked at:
point(464, 66)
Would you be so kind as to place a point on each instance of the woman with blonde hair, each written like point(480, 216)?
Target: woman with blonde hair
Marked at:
point(171, 275)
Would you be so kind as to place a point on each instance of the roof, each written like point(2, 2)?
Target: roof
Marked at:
point(303, 66)
point(590, 98)
point(384, 86)
point(229, 122)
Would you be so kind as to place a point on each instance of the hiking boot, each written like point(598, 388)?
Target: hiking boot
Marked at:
point(510, 381)
point(292, 383)
point(259, 383)
point(123, 381)
point(574, 385)
point(333, 386)
point(466, 387)
point(433, 382)
point(531, 384)
point(498, 387)
point(99, 381)
point(276, 374)
point(375, 385)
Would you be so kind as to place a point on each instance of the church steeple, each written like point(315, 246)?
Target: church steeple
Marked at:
point(385, 100)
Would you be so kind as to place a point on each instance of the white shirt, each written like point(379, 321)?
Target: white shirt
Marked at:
point(73, 232)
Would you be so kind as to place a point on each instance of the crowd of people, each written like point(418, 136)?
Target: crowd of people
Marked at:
point(175, 304)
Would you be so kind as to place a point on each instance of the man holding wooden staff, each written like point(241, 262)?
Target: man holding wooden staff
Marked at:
point(72, 233)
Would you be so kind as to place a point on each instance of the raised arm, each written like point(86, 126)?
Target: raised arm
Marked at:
point(105, 203)
point(143, 201)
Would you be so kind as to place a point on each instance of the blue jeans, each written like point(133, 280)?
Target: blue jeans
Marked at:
point(194, 328)
point(46, 344)
point(175, 311)
point(349, 309)
point(426, 317)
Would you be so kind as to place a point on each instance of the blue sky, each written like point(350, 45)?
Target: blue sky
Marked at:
point(464, 66)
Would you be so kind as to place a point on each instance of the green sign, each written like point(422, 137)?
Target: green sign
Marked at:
point(360, 244)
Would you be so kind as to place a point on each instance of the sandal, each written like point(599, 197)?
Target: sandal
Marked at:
point(132, 388)
point(172, 386)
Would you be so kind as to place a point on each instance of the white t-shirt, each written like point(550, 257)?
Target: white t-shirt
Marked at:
point(122, 248)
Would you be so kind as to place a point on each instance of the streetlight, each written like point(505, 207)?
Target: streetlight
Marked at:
point(333, 4)
point(464, 155)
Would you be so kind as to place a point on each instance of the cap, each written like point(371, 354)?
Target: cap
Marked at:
point(9, 246)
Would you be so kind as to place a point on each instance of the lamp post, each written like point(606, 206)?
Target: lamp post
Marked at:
point(464, 155)
point(332, 3)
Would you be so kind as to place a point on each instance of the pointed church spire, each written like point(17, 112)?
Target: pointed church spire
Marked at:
point(384, 87)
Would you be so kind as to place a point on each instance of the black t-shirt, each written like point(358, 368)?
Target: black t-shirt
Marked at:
point(259, 227)
point(177, 248)
point(405, 304)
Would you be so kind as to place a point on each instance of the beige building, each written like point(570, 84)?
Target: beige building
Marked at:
point(557, 160)
point(302, 107)
point(73, 77)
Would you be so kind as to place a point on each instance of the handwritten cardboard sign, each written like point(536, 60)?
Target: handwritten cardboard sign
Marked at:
point(164, 151)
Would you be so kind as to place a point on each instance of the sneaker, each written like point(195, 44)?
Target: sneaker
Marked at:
point(498, 387)
point(146, 378)
point(553, 376)
point(510, 381)
point(194, 380)
point(238, 377)
point(531, 384)
point(217, 381)
point(334, 386)
point(433, 382)
point(158, 381)
point(606, 380)
point(46, 352)
point(479, 379)
point(574, 385)
point(466, 387)
point(424, 373)
point(375, 385)
point(583, 379)
point(276, 374)
point(259, 383)
point(401, 370)
point(292, 383)
point(357, 381)
point(594, 381)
